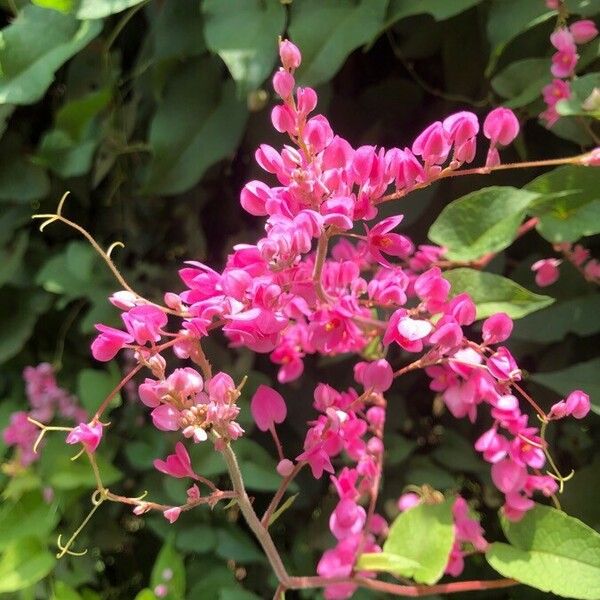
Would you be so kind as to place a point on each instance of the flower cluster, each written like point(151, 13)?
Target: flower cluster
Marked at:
point(298, 291)
point(47, 401)
point(565, 41)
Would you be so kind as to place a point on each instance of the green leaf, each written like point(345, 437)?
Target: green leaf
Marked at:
point(29, 517)
point(494, 293)
point(384, 561)
point(17, 319)
point(522, 81)
point(244, 34)
point(581, 88)
point(11, 259)
point(60, 5)
point(197, 538)
point(327, 31)
point(178, 31)
point(62, 591)
point(440, 10)
point(569, 206)
point(93, 386)
point(235, 544)
point(420, 540)
point(582, 376)
point(34, 46)
point(198, 123)
point(287, 504)
point(20, 180)
point(169, 560)
point(483, 221)
point(23, 564)
point(509, 18)
point(577, 315)
point(98, 9)
point(552, 552)
point(145, 594)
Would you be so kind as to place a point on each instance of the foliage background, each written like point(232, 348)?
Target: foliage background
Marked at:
point(149, 113)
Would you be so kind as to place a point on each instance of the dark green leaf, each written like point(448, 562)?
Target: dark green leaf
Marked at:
point(483, 221)
point(11, 258)
point(509, 18)
point(198, 123)
point(197, 538)
point(93, 386)
point(582, 376)
point(98, 9)
point(326, 41)
point(34, 46)
point(440, 10)
point(569, 206)
point(521, 82)
point(552, 552)
point(234, 544)
point(178, 31)
point(494, 293)
point(244, 34)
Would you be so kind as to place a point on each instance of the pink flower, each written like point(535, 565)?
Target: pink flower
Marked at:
point(290, 55)
point(177, 465)
point(283, 83)
point(144, 323)
point(501, 126)
point(408, 333)
point(267, 407)
point(347, 519)
point(497, 328)
point(433, 144)
point(106, 346)
point(577, 404)
point(407, 501)
point(509, 476)
point(285, 467)
point(380, 240)
point(172, 514)
point(87, 434)
point(583, 31)
point(166, 418)
point(462, 127)
point(376, 375)
point(546, 271)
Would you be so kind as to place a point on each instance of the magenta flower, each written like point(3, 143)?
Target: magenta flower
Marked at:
point(144, 323)
point(289, 55)
point(406, 332)
point(172, 514)
point(546, 271)
point(433, 144)
point(267, 407)
point(583, 31)
point(380, 240)
point(177, 465)
point(347, 519)
point(376, 375)
point(106, 346)
point(87, 434)
point(497, 328)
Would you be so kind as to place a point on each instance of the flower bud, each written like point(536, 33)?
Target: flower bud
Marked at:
point(289, 54)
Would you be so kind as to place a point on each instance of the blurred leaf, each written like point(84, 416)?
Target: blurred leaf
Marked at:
point(494, 293)
point(170, 571)
point(211, 584)
point(421, 470)
point(422, 537)
point(197, 538)
point(237, 593)
point(18, 319)
point(509, 18)
point(29, 517)
point(34, 46)
point(397, 449)
point(62, 473)
point(62, 591)
point(326, 40)
point(456, 453)
point(570, 204)
point(550, 551)
point(244, 34)
point(577, 315)
point(198, 123)
point(235, 544)
point(24, 563)
point(178, 31)
point(576, 499)
point(521, 82)
point(582, 376)
point(481, 222)
point(11, 258)
point(148, 445)
point(98, 9)
point(93, 386)
point(20, 180)
point(440, 10)
point(60, 5)
point(145, 594)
